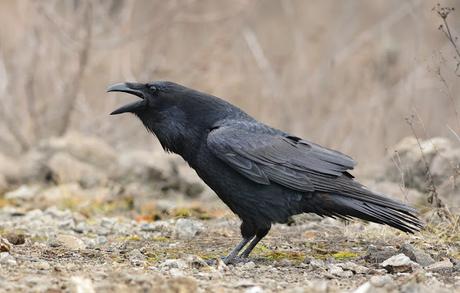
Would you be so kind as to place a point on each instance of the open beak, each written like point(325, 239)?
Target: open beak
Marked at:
point(130, 88)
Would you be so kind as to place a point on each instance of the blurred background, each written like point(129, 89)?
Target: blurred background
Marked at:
point(345, 74)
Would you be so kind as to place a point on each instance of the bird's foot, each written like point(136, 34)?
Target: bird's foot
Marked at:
point(228, 261)
point(235, 260)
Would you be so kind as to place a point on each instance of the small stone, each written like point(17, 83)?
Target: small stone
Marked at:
point(417, 255)
point(80, 228)
point(71, 242)
point(5, 245)
point(377, 284)
point(440, 266)
point(108, 223)
point(82, 285)
point(221, 266)
point(255, 289)
point(249, 265)
point(350, 266)
point(196, 262)
point(23, 192)
point(381, 281)
point(173, 263)
point(187, 229)
point(377, 255)
point(7, 259)
point(101, 240)
point(43, 265)
point(339, 272)
point(364, 288)
point(399, 263)
point(316, 263)
point(176, 272)
point(15, 238)
point(136, 257)
point(158, 226)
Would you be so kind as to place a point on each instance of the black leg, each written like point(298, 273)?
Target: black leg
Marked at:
point(260, 234)
point(236, 250)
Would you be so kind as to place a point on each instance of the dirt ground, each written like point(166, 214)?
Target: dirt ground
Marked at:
point(65, 250)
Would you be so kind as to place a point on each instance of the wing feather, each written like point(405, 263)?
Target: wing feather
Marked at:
point(265, 156)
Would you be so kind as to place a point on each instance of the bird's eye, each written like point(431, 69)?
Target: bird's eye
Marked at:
point(152, 88)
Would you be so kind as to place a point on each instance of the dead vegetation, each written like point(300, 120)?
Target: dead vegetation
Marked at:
point(356, 75)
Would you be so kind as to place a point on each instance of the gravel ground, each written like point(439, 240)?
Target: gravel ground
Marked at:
point(63, 250)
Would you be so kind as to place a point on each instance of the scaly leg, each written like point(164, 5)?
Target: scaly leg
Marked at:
point(260, 234)
point(236, 250)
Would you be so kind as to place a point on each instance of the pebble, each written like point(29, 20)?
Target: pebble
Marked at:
point(339, 272)
point(417, 255)
point(58, 214)
point(23, 192)
point(439, 266)
point(381, 281)
point(5, 245)
point(399, 263)
point(136, 257)
point(249, 265)
point(71, 242)
point(350, 266)
point(255, 289)
point(80, 228)
point(82, 285)
point(15, 238)
point(375, 284)
point(196, 262)
point(316, 263)
point(176, 272)
point(173, 263)
point(7, 259)
point(42, 265)
point(187, 229)
point(378, 255)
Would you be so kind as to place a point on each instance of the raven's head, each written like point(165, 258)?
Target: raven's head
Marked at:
point(177, 115)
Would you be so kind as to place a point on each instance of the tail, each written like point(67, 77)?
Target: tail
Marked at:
point(372, 207)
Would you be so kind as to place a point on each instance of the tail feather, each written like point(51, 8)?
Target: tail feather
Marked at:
point(381, 210)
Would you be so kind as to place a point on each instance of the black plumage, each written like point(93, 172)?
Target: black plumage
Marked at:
point(263, 174)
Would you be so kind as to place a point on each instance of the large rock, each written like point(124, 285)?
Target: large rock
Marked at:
point(166, 172)
point(9, 169)
point(445, 165)
point(88, 149)
point(33, 168)
point(142, 166)
point(407, 163)
point(65, 168)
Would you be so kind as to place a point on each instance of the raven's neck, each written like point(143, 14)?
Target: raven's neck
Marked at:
point(184, 143)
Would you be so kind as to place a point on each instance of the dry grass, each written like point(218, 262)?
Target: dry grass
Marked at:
point(344, 74)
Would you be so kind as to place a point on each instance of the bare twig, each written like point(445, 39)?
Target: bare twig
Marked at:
point(433, 196)
point(443, 13)
point(73, 86)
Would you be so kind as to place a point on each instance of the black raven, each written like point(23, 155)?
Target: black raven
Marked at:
point(263, 174)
